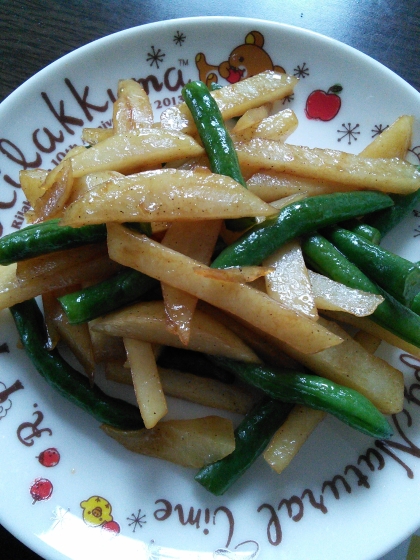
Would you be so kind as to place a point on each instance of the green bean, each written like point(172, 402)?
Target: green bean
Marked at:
point(396, 275)
point(287, 385)
point(251, 438)
point(364, 230)
point(296, 219)
point(106, 296)
point(216, 139)
point(46, 237)
point(140, 227)
point(64, 378)
point(387, 219)
point(325, 258)
point(190, 361)
point(415, 304)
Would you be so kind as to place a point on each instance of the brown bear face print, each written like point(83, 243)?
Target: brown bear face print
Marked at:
point(244, 61)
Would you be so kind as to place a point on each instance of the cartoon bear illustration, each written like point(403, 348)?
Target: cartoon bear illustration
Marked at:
point(244, 61)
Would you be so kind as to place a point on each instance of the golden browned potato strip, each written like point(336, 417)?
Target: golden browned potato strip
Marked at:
point(252, 118)
point(335, 296)
point(147, 321)
point(165, 194)
point(118, 371)
point(190, 443)
point(131, 152)
point(75, 151)
point(160, 227)
point(197, 164)
point(290, 437)
point(49, 305)
point(282, 202)
point(348, 364)
point(370, 342)
point(179, 308)
point(189, 387)
point(366, 324)
point(77, 338)
point(151, 258)
point(235, 274)
point(32, 183)
point(197, 240)
point(47, 189)
point(105, 347)
point(289, 282)
point(132, 109)
point(275, 127)
point(351, 365)
point(83, 185)
point(57, 188)
point(388, 175)
point(194, 239)
point(261, 345)
point(235, 99)
point(146, 381)
point(271, 186)
point(207, 392)
point(14, 290)
point(394, 141)
point(54, 263)
point(7, 276)
point(93, 136)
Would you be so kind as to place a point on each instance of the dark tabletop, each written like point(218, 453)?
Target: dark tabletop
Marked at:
point(34, 33)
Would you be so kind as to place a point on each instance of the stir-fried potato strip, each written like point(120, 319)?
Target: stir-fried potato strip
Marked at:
point(60, 261)
point(165, 194)
point(151, 258)
point(235, 99)
point(32, 182)
point(289, 282)
point(387, 175)
point(366, 324)
point(290, 437)
point(235, 274)
point(57, 186)
point(273, 127)
point(92, 136)
point(132, 108)
point(147, 321)
point(337, 297)
point(352, 366)
point(15, 290)
point(133, 151)
point(272, 185)
point(197, 240)
point(206, 391)
point(393, 142)
point(252, 118)
point(146, 381)
point(76, 337)
point(191, 443)
point(370, 342)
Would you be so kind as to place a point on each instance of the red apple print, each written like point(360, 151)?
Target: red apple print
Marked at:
point(41, 489)
point(49, 458)
point(323, 105)
point(111, 526)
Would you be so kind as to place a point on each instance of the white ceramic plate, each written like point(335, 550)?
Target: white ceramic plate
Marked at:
point(348, 498)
